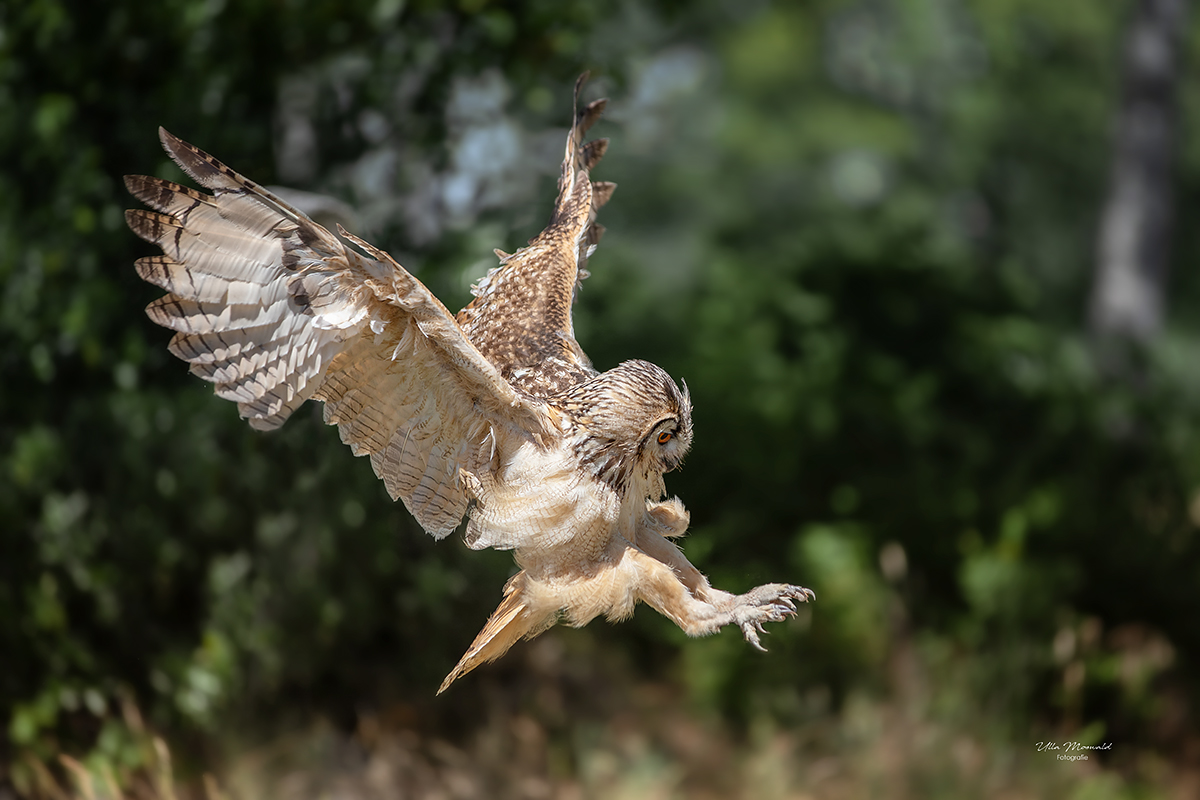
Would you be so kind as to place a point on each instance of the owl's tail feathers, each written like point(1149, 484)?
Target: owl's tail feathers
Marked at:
point(519, 616)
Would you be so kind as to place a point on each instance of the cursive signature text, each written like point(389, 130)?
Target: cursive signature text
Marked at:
point(1070, 747)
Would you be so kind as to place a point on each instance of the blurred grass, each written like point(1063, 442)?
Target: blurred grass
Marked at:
point(923, 734)
point(919, 716)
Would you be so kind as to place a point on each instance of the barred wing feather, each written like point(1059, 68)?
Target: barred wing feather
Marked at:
point(274, 310)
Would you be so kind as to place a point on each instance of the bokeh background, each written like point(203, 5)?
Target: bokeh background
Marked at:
point(928, 268)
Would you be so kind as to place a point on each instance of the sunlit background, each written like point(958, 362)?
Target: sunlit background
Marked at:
point(927, 267)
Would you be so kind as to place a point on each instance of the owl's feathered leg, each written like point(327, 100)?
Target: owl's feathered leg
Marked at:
point(669, 520)
point(707, 610)
point(769, 603)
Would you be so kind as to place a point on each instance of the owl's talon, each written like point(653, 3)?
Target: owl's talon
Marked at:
point(751, 636)
point(770, 603)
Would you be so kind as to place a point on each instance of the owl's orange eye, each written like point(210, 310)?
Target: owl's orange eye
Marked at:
point(665, 437)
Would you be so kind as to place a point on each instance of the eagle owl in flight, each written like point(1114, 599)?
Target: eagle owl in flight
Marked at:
point(495, 413)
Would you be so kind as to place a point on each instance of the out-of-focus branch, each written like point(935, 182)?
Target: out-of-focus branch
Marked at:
point(1134, 236)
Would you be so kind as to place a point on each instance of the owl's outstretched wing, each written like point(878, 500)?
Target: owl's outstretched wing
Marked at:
point(274, 310)
point(521, 315)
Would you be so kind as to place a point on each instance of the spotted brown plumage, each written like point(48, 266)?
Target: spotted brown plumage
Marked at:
point(495, 414)
point(520, 318)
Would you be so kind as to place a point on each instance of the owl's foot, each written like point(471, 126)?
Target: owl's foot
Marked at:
point(773, 602)
point(677, 590)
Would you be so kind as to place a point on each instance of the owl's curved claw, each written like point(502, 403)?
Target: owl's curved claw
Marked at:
point(751, 635)
point(773, 602)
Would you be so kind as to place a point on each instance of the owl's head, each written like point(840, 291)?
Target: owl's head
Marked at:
point(632, 422)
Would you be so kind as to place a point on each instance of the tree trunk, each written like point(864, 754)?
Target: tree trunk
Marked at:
point(1134, 235)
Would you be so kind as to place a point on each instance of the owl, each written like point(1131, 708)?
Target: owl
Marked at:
point(494, 414)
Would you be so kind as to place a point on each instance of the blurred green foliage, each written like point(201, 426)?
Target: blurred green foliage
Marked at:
point(861, 232)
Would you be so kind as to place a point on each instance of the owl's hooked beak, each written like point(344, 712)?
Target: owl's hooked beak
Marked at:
point(671, 462)
point(672, 457)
